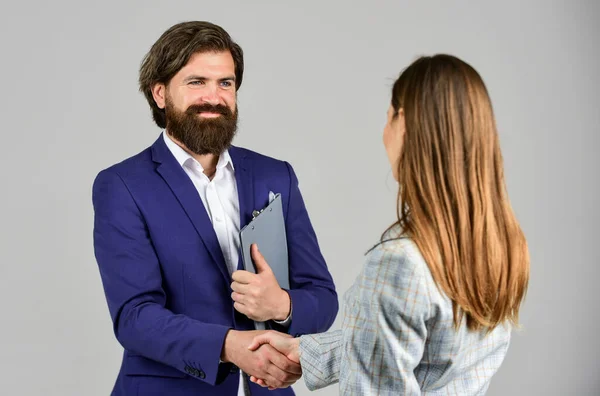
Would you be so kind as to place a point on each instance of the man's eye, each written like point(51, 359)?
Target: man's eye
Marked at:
point(196, 82)
point(226, 84)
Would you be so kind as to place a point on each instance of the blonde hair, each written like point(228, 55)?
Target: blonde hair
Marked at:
point(452, 199)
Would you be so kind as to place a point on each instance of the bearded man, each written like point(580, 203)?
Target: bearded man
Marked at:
point(166, 236)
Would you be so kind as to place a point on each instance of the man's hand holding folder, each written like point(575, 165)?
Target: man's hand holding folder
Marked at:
point(259, 296)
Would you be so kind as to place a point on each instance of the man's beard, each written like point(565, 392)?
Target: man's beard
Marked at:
point(202, 135)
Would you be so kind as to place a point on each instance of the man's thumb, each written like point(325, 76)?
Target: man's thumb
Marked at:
point(259, 261)
point(258, 341)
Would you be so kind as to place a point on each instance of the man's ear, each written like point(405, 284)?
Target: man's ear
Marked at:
point(159, 93)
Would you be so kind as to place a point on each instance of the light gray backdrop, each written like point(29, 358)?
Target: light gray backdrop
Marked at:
point(315, 92)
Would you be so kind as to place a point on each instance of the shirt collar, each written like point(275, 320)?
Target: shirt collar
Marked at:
point(183, 156)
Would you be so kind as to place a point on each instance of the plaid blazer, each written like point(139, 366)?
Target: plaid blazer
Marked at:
point(398, 336)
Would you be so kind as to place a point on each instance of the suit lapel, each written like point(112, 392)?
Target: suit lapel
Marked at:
point(244, 177)
point(187, 195)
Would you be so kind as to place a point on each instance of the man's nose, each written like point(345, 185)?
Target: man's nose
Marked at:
point(211, 96)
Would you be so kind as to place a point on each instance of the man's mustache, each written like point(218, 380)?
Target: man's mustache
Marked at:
point(208, 108)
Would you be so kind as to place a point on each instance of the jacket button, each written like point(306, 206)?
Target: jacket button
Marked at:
point(201, 374)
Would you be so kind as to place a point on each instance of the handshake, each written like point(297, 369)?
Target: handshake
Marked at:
point(272, 359)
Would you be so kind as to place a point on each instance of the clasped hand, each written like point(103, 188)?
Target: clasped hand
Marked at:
point(255, 357)
point(284, 344)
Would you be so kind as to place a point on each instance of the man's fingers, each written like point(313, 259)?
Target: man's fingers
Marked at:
point(258, 381)
point(242, 299)
point(243, 277)
point(261, 382)
point(273, 375)
point(274, 383)
point(241, 288)
point(283, 364)
point(241, 308)
point(275, 380)
point(294, 368)
point(259, 340)
point(270, 338)
point(274, 369)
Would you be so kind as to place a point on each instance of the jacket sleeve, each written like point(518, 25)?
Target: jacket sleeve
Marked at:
point(132, 281)
point(312, 292)
point(383, 332)
point(384, 328)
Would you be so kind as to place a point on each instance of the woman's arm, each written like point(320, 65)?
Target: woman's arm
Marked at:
point(320, 356)
point(384, 330)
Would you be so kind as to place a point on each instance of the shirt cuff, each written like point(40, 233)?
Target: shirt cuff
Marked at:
point(286, 323)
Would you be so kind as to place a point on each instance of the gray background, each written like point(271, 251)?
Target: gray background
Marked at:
point(315, 92)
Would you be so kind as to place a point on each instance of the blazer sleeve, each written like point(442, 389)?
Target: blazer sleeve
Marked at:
point(383, 331)
point(132, 281)
point(320, 358)
point(312, 291)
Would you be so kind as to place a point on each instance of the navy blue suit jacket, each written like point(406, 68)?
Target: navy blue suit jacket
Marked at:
point(165, 278)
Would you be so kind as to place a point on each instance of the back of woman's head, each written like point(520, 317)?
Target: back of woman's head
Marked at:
point(452, 200)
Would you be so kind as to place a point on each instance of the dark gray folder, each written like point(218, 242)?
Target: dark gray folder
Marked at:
point(267, 230)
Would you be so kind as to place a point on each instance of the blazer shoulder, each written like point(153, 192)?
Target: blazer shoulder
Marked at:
point(263, 165)
point(256, 156)
point(399, 259)
point(133, 165)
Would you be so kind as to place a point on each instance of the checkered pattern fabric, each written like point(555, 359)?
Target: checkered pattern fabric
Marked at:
point(398, 336)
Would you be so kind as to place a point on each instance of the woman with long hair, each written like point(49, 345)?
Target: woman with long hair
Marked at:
point(433, 307)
